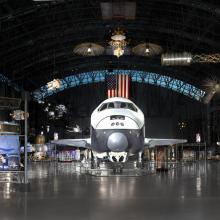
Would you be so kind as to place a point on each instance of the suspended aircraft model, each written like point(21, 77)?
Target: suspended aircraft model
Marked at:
point(117, 132)
point(76, 129)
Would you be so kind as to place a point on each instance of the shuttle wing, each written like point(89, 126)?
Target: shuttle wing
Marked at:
point(152, 142)
point(81, 143)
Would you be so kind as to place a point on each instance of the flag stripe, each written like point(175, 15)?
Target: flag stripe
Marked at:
point(125, 82)
point(123, 86)
point(118, 85)
point(126, 86)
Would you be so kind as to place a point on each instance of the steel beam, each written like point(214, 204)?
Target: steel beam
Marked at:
point(136, 76)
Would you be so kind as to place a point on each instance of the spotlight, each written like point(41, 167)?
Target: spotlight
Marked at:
point(147, 50)
point(89, 50)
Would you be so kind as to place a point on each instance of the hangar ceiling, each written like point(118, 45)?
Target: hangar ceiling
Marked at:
point(37, 38)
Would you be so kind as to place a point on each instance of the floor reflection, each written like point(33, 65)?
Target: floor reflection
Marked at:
point(57, 192)
point(116, 188)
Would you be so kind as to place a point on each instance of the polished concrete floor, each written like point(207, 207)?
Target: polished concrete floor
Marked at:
point(56, 193)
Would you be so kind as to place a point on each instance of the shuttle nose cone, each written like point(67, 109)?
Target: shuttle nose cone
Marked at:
point(117, 142)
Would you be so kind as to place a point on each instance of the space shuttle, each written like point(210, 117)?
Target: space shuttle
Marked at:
point(117, 132)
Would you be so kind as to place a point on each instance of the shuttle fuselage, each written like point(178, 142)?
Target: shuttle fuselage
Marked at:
point(117, 125)
point(117, 131)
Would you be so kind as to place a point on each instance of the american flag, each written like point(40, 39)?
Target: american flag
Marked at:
point(111, 85)
point(118, 85)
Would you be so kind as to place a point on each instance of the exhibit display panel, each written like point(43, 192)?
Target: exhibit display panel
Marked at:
point(9, 152)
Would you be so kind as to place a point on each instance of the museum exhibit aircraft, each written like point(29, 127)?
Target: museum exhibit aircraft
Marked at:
point(117, 132)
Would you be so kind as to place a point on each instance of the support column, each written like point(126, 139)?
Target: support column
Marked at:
point(25, 137)
point(208, 125)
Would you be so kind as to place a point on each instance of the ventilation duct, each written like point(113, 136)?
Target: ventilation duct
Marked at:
point(118, 10)
point(176, 59)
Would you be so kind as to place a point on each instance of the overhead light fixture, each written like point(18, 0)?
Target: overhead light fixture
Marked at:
point(89, 50)
point(147, 50)
point(54, 84)
point(118, 42)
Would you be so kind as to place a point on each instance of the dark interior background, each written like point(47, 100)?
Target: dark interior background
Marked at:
point(37, 41)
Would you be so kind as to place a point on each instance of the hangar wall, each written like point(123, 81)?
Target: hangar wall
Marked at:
point(6, 91)
point(3, 113)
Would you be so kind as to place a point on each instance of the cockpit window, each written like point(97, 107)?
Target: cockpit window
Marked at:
point(132, 107)
point(125, 105)
point(103, 107)
point(111, 105)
